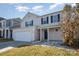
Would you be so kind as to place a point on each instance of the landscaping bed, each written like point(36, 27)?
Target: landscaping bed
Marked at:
point(39, 50)
point(5, 39)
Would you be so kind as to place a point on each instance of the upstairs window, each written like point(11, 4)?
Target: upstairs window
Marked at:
point(45, 20)
point(29, 23)
point(0, 25)
point(55, 18)
point(58, 17)
point(42, 20)
point(26, 23)
point(8, 23)
point(51, 19)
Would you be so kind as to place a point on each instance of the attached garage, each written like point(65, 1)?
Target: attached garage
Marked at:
point(23, 35)
point(55, 34)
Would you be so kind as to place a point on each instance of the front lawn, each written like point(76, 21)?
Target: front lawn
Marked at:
point(39, 51)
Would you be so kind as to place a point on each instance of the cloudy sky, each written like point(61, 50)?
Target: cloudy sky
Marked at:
point(20, 9)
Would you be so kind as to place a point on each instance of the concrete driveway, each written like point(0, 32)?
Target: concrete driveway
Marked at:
point(11, 44)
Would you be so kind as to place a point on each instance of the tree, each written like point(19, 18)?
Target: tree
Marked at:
point(65, 22)
point(70, 26)
point(77, 4)
point(77, 7)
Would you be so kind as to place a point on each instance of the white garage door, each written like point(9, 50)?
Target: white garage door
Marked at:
point(23, 36)
point(55, 35)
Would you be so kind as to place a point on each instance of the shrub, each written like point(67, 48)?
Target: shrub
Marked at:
point(70, 26)
point(5, 39)
point(75, 43)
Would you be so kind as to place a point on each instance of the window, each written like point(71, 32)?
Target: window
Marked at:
point(55, 18)
point(26, 24)
point(30, 23)
point(58, 17)
point(4, 25)
point(41, 20)
point(51, 19)
point(0, 25)
point(8, 23)
point(45, 20)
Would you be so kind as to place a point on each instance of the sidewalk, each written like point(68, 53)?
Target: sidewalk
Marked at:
point(5, 49)
point(5, 46)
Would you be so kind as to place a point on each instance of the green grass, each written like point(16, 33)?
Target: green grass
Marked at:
point(39, 51)
point(5, 39)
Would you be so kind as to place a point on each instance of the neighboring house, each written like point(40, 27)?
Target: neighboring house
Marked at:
point(36, 28)
point(7, 25)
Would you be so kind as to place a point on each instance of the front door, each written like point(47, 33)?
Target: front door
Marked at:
point(11, 32)
point(0, 34)
point(45, 34)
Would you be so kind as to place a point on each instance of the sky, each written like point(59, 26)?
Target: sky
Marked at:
point(15, 10)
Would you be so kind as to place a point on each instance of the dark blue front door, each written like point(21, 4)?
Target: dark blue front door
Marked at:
point(45, 34)
point(0, 34)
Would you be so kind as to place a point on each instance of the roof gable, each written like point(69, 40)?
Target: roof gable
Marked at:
point(30, 14)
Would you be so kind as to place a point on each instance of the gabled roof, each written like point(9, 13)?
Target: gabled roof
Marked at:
point(1, 18)
point(29, 13)
point(13, 18)
point(42, 15)
point(52, 13)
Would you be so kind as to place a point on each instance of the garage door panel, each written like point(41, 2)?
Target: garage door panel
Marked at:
point(23, 36)
point(55, 35)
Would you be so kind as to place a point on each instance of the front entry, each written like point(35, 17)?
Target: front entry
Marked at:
point(45, 34)
point(0, 33)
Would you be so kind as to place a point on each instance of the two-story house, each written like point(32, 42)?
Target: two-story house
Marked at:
point(38, 28)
